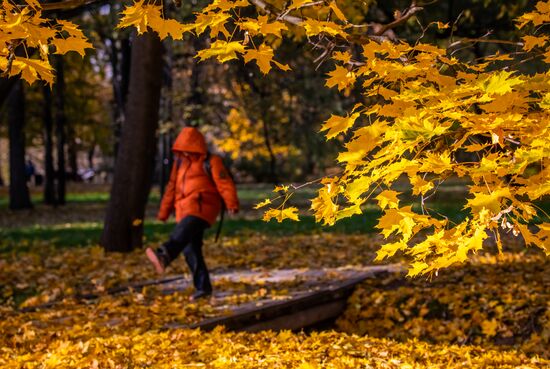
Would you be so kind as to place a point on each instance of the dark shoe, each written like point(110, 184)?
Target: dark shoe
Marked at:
point(200, 295)
point(157, 259)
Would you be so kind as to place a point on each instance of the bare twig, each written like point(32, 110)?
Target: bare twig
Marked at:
point(271, 10)
point(409, 12)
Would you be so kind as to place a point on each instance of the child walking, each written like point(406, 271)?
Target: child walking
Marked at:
point(198, 185)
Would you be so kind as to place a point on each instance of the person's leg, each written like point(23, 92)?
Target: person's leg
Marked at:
point(185, 231)
point(195, 260)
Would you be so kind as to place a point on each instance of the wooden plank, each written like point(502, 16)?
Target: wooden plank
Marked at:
point(297, 313)
point(301, 319)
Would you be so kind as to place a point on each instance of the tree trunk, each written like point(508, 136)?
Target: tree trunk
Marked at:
point(49, 171)
point(123, 228)
point(121, 79)
point(6, 85)
point(167, 117)
point(19, 192)
point(60, 122)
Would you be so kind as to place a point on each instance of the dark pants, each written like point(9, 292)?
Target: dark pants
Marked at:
point(187, 237)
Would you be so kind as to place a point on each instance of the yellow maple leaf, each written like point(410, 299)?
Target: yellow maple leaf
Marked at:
point(388, 199)
point(282, 188)
point(264, 58)
point(336, 124)
point(340, 77)
point(314, 27)
point(169, 27)
point(339, 14)
point(397, 220)
point(270, 28)
point(137, 15)
point(222, 50)
point(436, 163)
point(298, 4)
point(349, 211)
point(79, 45)
point(420, 186)
point(215, 20)
point(343, 56)
point(417, 268)
point(31, 70)
point(499, 83)
point(262, 204)
point(142, 16)
point(71, 28)
point(491, 201)
point(389, 249)
point(225, 5)
point(530, 42)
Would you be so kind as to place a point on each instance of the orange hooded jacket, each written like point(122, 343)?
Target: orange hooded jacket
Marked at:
point(191, 191)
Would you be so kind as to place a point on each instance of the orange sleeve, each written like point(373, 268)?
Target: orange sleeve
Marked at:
point(167, 203)
point(224, 183)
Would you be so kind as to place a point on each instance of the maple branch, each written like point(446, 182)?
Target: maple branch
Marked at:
point(411, 10)
point(270, 9)
point(67, 4)
point(486, 40)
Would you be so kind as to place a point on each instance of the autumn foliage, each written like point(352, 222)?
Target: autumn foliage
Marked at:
point(422, 115)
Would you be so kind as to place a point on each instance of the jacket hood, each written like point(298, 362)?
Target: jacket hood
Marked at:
point(191, 140)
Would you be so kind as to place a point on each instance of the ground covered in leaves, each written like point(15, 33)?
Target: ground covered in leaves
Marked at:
point(58, 308)
point(498, 303)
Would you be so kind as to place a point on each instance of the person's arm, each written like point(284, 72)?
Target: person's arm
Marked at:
point(167, 203)
point(224, 183)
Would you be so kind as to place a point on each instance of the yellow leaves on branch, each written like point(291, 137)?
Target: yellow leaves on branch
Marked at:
point(421, 122)
point(24, 29)
point(281, 214)
point(31, 70)
point(430, 117)
point(143, 15)
point(262, 26)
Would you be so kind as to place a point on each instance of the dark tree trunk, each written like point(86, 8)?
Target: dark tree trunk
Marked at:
point(19, 192)
point(60, 122)
point(6, 85)
point(167, 117)
point(120, 63)
point(123, 228)
point(49, 171)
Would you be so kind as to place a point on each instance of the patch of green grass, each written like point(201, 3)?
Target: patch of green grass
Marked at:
point(85, 234)
point(76, 197)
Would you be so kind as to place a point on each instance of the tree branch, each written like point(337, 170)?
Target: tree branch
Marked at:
point(270, 9)
point(411, 10)
point(67, 4)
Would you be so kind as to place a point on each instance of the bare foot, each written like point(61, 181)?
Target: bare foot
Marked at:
point(154, 259)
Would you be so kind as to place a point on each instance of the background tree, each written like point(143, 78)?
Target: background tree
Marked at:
point(19, 192)
point(49, 170)
point(123, 227)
